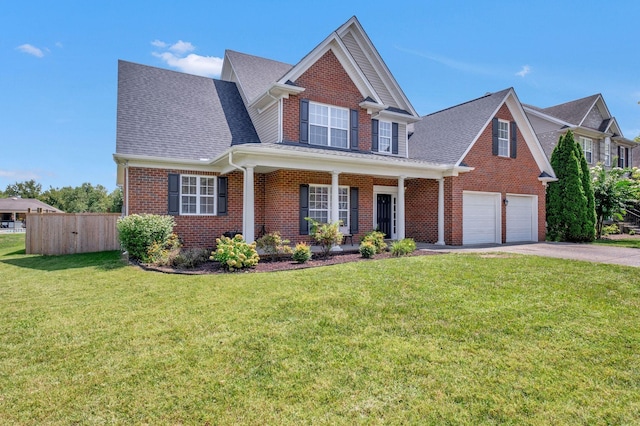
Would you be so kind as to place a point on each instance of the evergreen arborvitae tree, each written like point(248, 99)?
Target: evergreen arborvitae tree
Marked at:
point(589, 225)
point(567, 205)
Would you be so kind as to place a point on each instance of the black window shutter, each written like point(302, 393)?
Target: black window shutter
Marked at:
point(374, 135)
point(353, 206)
point(174, 194)
point(494, 134)
point(354, 129)
point(514, 140)
point(394, 138)
point(626, 157)
point(304, 120)
point(304, 209)
point(223, 186)
point(630, 157)
point(620, 160)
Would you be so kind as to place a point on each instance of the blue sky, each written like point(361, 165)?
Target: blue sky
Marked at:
point(58, 73)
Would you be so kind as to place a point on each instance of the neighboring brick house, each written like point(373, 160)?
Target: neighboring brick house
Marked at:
point(333, 138)
point(594, 128)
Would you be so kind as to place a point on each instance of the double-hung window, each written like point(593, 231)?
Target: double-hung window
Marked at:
point(503, 138)
point(384, 136)
point(587, 148)
point(328, 126)
point(197, 195)
point(607, 152)
point(320, 203)
point(621, 160)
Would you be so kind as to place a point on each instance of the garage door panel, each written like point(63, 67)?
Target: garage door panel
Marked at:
point(480, 218)
point(522, 220)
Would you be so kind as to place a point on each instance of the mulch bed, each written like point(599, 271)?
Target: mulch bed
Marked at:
point(278, 265)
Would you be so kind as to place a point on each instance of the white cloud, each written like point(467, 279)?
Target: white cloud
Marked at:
point(31, 50)
point(182, 47)
point(158, 43)
point(59, 45)
point(174, 56)
point(19, 175)
point(526, 69)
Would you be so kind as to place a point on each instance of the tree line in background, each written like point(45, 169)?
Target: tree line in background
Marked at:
point(85, 198)
point(582, 199)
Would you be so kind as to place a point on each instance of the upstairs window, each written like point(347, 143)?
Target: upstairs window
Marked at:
point(587, 148)
point(503, 138)
point(384, 137)
point(607, 152)
point(328, 126)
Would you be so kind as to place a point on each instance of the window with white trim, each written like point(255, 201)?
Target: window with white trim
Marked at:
point(197, 195)
point(384, 136)
point(503, 138)
point(607, 152)
point(587, 148)
point(621, 162)
point(320, 203)
point(328, 126)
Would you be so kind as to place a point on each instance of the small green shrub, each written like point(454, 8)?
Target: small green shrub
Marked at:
point(403, 247)
point(325, 234)
point(377, 239)
point(138, 233)
point(368, 249)
point(235, 253)
point(273, 245)
point(191, 258)
point(164, 254)
point(611, 229)
point(632, 232)
point(302, 253)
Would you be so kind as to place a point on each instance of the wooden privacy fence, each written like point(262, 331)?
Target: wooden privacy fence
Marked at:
point(69, 233)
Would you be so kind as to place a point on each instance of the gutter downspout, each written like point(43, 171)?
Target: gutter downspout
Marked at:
point(126, 189)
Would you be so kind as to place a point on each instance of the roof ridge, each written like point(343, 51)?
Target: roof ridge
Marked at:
point(467, 102)
point(258, 57)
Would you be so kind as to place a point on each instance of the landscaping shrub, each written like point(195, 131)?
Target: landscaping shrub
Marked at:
point(610, 229)
point(325, 234)
point(367, 249)
point(377, 239)
point(235, 253)
point(273, 245)
point(191, 258)
point(164, 254)
point(302, 253)
point(403, 247)
point(138, 233)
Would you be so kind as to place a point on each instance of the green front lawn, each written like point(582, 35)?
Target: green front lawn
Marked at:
point(447, 339)
point(626, 242)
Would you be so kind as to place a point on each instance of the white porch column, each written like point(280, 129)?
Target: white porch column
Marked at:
point(335, 203)
point(400, 218)
point(248, 210)
point(440, 212)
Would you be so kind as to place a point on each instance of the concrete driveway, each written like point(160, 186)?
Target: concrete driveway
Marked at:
point(586, 252)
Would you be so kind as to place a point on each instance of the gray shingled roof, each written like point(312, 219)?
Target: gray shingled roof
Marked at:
point(444, 136)
point(15, 204)
point(572, 112)
point(255, 74)
point(163, 113)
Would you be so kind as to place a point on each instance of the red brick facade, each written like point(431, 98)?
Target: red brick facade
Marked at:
point(326, 82)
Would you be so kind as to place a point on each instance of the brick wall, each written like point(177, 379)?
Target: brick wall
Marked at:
point(327, 82)
point(493, 174)
point(421, 214)
point(148, 193)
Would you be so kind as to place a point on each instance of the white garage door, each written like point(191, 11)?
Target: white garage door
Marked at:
point(522, 218)
point(481, 217)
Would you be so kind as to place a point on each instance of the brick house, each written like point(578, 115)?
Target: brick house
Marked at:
point(594, 128)
point(333, 137)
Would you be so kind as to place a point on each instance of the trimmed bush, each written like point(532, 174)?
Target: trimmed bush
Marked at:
point(377, 239)
point(273, 245)
point(367, 249)
point(235, 253)
point(302, 253)
point(325, 234)
point(610, 229)
point(138, 233)
point(403, 247)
